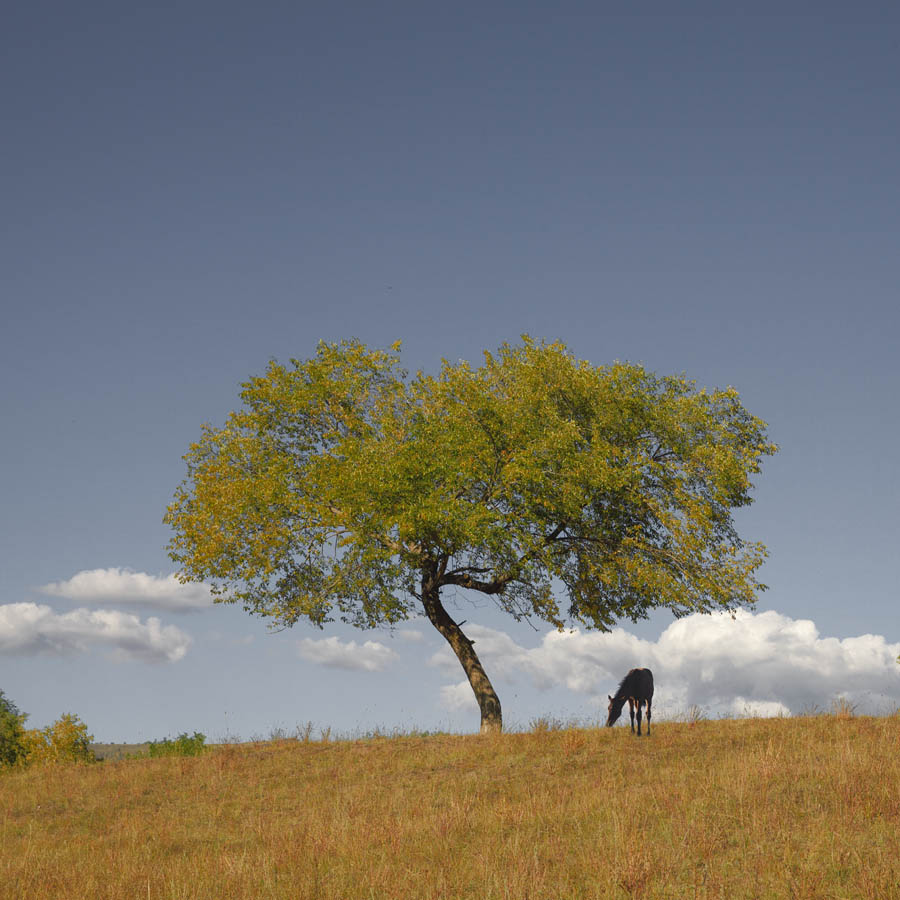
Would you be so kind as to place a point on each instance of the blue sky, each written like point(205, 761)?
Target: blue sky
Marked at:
point(191, 190)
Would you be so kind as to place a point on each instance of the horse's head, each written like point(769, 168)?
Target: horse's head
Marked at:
point(614, 709)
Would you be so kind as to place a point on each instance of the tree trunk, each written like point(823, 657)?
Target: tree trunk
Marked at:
point(488, 701)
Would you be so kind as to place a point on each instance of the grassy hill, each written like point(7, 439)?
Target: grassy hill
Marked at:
point(801, 808)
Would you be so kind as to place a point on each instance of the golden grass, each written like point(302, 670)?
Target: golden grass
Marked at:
point(800, 808)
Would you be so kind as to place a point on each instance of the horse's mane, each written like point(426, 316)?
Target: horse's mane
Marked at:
point(621, 687)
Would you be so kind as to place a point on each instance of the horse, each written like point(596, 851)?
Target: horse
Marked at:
point(637, 688)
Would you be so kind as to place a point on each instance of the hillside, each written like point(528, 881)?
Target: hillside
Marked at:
point(806, 807)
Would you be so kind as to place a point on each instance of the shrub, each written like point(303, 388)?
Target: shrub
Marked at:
point(66, 740)
point(842, 708)
point(183, 745)
point(543, 724)
point(12, 732)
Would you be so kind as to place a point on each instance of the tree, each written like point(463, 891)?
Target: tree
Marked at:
point(343, 488)
point(66, 740)
point(12, 732)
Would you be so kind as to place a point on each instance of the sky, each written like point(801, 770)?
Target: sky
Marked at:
point(190, 190)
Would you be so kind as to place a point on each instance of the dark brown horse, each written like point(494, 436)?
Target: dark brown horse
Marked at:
point(637, 688)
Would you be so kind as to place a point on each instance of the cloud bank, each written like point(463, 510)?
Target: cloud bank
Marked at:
point(31, 628)
point(371, 656)
point(759, 664)
point(105, 587)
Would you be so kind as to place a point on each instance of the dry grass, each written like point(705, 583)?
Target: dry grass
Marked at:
point(800, 808)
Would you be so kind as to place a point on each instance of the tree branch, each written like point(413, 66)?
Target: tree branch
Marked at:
point(486, 587)
point(463, 577)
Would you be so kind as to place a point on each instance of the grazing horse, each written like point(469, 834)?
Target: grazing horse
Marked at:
point(636, 688)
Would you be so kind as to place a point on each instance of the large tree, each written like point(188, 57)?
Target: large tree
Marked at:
point(343, 488)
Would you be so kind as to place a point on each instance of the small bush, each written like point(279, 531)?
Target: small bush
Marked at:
point(842, 708)
point(544, 724)
point(695, 714)
point(66, 740)
point(183, 745)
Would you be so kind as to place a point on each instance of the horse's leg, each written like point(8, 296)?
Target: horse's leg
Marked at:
point(648, 717)
point(639, 717)
point(631, 711)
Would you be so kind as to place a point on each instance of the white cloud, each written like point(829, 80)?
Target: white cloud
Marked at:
point(762, 709)
point(371, 656)
point(457, 697)
point(30, 628)
point(763, 664)
point(116, 586)
point(409, 634)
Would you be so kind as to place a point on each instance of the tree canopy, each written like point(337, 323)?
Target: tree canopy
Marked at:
point(345, 489)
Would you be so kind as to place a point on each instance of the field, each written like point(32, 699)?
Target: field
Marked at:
point(802, 808)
